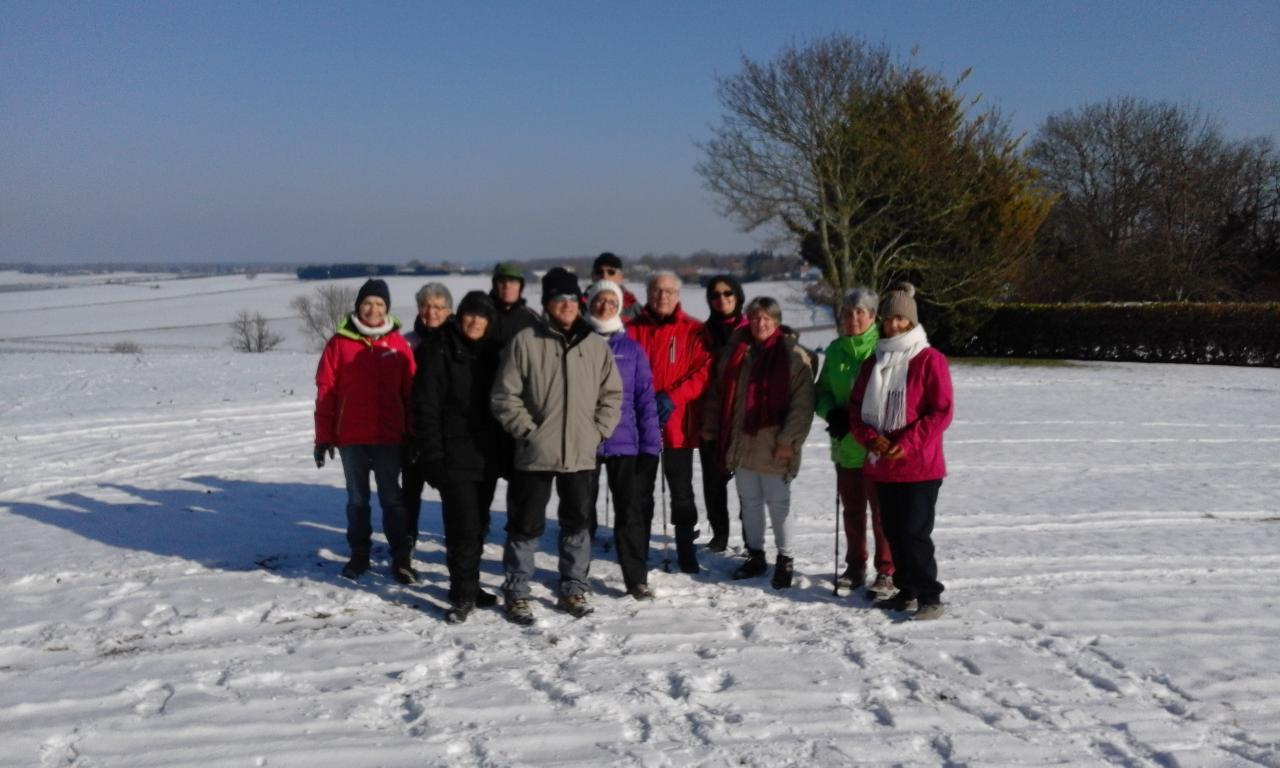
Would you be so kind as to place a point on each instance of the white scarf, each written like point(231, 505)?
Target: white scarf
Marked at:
point(884, 404)
point(382, 330)
point(605, 327)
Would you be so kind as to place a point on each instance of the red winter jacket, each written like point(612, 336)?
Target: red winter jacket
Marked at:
point(929, 411)
point(363, 388)
point(677, 350)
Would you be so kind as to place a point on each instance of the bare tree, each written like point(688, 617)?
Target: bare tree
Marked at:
point(1153, 203)
point(249, 333)
point(323, 310)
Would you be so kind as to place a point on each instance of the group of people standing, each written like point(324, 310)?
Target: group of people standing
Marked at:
point(600, 382)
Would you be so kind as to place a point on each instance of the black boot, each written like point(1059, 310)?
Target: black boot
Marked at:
point(782, 571)
point(402, 570)
point(719, 542)
point(686, 554)
point(754, 566)
point(358, 564)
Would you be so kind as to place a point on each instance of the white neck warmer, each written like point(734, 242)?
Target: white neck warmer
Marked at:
point(382, 330)
point(605, 327)
point(884, 405)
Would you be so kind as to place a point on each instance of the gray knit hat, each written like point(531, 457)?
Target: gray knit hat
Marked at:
point(900, 300)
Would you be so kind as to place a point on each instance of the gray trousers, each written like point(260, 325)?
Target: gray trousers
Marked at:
point(527, 497)
point(755, 492)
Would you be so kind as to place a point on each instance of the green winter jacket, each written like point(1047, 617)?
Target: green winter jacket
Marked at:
point(839, 370)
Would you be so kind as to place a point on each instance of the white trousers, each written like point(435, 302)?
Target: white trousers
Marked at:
point(755, 492)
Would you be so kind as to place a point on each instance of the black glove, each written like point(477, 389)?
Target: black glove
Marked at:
point(321, 450)
point(838, 422)
point(665, 408)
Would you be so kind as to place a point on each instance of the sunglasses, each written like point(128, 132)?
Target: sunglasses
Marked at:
point(721, 294)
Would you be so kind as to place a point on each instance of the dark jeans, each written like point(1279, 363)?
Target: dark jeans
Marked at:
point(384, 462)
point(466, 521)
point(715, 493)
point(677, 467)
point(527, 497)
point(907, 512)
point(630, 529)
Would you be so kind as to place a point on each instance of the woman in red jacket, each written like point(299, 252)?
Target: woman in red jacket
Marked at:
point(363, 385)
point(899, 408)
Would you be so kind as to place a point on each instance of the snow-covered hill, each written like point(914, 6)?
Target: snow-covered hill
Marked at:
point(1109, 536)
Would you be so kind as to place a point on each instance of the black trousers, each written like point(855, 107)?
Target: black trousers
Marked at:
point(677, 466)
point(529, 492)
point(412, 483)
point(630, 528)
point(466, 521)
point(715, 493)
point(906, 513)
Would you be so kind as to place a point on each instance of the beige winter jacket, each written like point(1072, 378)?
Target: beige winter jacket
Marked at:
point(755, 452)
point(559, 395)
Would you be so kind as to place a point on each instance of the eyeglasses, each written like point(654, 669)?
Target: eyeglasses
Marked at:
point(721, 294)
point(667, 291)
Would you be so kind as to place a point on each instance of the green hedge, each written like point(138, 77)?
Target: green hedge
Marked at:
point(1221, 333)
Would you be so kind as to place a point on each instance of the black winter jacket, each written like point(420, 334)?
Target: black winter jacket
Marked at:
point(453, 425)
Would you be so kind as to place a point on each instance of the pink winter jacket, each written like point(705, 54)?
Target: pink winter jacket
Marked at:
point(929, 411)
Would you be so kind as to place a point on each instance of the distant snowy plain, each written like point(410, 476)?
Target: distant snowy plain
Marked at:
point(1109, 535)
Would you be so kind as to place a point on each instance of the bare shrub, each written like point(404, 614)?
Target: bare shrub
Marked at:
point(323, 310)
point(249, 333)
point(125, 348)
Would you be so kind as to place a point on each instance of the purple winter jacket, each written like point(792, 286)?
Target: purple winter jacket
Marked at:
point(637, 430)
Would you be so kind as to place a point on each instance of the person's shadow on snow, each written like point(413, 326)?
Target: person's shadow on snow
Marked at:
point(294, 530)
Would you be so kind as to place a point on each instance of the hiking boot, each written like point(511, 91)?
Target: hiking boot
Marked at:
point(574, 605)
point(402, 571)
point(358, 564)
point(686, 554)
point(853, 576)
point(641, 592)
point(898, 602)
point(782, 572)
point(755, 565)
point(458, 612)
point(928, 612)
point(486, 599)
point(520, 612)
point(719, 542)
point(882, 587)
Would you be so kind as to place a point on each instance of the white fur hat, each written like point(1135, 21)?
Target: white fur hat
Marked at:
point(600, 286)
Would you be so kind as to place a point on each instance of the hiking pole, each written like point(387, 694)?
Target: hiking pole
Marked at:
point(608, 541)
point(666, 545)
point(835, 590)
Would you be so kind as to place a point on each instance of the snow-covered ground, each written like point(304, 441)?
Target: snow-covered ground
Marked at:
point(1109, 536)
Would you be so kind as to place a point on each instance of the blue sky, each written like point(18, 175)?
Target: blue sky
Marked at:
point(380, 131)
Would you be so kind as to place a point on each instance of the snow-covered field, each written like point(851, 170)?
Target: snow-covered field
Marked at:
point(1109, 536)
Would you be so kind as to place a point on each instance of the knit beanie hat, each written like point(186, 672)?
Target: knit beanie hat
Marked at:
point(374, 287)
point(559, 282)
point(478, 303)
point(900, 300)
point(606, 259)
point(601, 286)
point(508, 270)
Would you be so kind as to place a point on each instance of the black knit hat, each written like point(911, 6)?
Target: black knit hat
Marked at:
point(606, 259)
point(478, 303)
point(374, 287)
point(559, 282)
